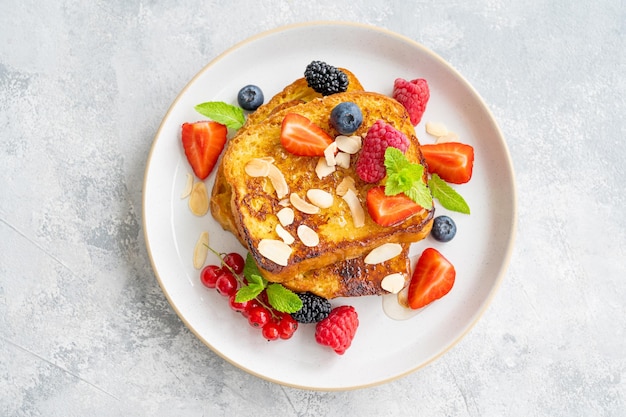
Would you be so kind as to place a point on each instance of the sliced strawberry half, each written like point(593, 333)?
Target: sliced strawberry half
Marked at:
point(452, 161)
point(388, 210)
point(432, 278)
point(203, 143)
point(299, 136)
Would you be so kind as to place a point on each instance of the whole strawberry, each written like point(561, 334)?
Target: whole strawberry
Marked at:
point(338, 329)
point(370, 165)
point(413, 95)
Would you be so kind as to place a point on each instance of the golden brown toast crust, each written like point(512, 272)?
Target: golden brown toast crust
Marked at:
point(350, 278)
point(254, 204)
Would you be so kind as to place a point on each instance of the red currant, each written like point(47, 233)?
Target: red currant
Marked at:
point(287, 326)
point(249, 306)
point(270, 331)
point(236, 306)
point(235, 261)
point(226, 284)
point(259, 316)
point(209, 275)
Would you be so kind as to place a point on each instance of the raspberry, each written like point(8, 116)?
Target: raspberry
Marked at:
point(371, 163)
point(325, 79)
point(413, 95)
point(337, 330)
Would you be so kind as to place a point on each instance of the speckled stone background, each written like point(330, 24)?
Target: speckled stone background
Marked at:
point(84, 327)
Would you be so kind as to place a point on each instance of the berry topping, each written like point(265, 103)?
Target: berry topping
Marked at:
point(259, 316)
point(250, 97)
point(413, 95)
point(271, 331)
point(287, 326)
point(346, 117)
point(370, 165)
point(314, 308)
point(325, 79)
point(203, 143)
point(443, 229)
point(235, 261)
point(299, 136)
point(452, 161)
point(338, 329)
point(210, 274)
point(226, 284)
point(237, 306)
point(388, 210)
point(432, 278)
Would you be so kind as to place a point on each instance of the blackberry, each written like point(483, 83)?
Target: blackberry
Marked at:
point(314, 308)
point(325, 79)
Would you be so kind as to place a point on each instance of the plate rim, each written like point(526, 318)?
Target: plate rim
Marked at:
point(505, 261)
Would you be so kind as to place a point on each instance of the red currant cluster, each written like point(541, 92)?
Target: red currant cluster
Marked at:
point(227, 279)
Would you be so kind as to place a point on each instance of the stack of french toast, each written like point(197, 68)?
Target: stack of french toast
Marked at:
point(333, 265)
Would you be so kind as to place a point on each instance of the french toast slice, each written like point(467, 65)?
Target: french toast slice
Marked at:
point(254, 203)
point(348, 278)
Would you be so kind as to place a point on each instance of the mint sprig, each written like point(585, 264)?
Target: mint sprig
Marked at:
point(447, 196)
point(406, 177)
point(224, 113)
point(283, 299)
point(280, 298)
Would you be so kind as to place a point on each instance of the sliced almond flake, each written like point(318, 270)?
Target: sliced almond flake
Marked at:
point(342, 160)
point(383, 253)
point(450, 137)
point(199, 199)
point(188, 186)
point(258, 167)
point(348, 144)
point(285, 216)
point(436, 129)
point(284, 235)
point(329, 154)
point(269, 159)
point(358, 215)
point(201, 250)
point(308, 236)
point(320, 198)
point(275, 250)
point(347, 183)
point(393, 283)
point(278, 181)
point(284, 202)
point(322, 169)
point(303, 205)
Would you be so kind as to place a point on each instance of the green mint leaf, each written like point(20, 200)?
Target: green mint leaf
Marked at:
point(404, 180)
point(447, 196)
point(224, 113)
point(420, 193)
point(406, 177)
point(250, 268)
point(282, 299)
point(250, 291)
point(395, 160)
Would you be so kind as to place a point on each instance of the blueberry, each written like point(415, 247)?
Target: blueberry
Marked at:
point(444, 229)
point(250, 97)
point(346, 117)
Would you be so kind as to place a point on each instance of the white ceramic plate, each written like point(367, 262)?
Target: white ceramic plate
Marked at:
point(383, 349)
